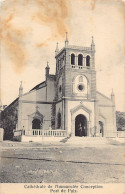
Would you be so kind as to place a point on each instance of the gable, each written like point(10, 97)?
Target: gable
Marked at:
point(35, 95)
point(103, 100)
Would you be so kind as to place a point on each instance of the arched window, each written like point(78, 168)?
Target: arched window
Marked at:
point(36, 124)
point(88, 61)
point(72, 59)
point(56, 66)
point(59, 121)
point(59, 64)
point(80, 60)
point(80, 79)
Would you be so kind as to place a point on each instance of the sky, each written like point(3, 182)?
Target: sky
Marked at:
point(30, 30)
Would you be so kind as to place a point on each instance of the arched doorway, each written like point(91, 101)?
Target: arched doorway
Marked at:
point(36, 124)
point(101, 124)
point(80, 125)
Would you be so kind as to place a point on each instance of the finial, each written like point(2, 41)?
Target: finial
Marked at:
point(66, 36)
point(113, 97)
point(92, 44)
point(66, 41)
point(57, 49)
point(47, 64)
point(93, 40)
point(21, 84)
point(112, 92)
point(37, 108)
point(20, 89)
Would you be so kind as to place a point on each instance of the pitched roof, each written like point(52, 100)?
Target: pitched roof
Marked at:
point(38, 86)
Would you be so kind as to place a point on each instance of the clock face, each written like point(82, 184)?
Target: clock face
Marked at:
point(81, 87)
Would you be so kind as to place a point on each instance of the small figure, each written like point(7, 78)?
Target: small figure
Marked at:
point(41, 125)
point(80, 130)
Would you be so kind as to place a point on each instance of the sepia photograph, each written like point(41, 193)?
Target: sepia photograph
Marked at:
point(62, 96)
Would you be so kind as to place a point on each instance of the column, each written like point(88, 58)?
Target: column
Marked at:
point(76, 60)
point(63, 114)
point(88, 131)
point(84, 64)
point(19, 114)
point(97, 118)
point(73, 128)
point(69, 59)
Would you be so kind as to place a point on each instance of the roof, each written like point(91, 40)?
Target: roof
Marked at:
point(103, 95)
point(35, 88)
point(11, 103)
point(38, 86)
point(42, 84)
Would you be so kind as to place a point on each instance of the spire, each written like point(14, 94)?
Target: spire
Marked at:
point(47, 69)
point(112, 94)
point(66, 41)
point(47, 65)
point(113, 97)
point(20, 89)
point(57, 49)
point(93, 44)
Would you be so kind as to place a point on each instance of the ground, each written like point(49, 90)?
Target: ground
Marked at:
point(62, 163)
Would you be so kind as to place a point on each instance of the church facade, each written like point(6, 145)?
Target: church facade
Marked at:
point(67, 103)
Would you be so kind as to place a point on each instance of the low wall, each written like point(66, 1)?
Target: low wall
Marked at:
point(41, 139)
point(121, 134)
point(110, 134)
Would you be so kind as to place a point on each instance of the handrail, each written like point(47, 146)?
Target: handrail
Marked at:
point(46, 133)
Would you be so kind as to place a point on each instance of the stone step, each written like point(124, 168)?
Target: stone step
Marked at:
point(87, 140)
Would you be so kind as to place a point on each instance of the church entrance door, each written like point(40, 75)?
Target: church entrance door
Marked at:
point(80, 125)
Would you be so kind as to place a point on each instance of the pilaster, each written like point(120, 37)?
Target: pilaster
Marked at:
point(97, 118)
point(19, 125)
point(66, 115)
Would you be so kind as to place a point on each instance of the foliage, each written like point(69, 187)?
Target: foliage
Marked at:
point(120, 120)
point(9, 120)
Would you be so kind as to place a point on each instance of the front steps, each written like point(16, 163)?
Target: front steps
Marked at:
point(87, 140)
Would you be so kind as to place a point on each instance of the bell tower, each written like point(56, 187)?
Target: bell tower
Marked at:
point(75, 85)
point(75, 71)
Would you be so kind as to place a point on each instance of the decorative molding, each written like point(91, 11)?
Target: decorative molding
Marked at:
point(36, 102)
point(102, 105)
point(101, 115)
point(81, 106)
point(36, 114)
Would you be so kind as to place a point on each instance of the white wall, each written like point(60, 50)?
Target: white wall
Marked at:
point(73, 104)
point(58, 107)
point(30, 108)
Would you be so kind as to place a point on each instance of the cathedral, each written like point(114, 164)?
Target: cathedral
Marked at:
point(67, 104)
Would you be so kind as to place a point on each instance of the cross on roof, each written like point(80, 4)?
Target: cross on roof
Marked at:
point(37, 108)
